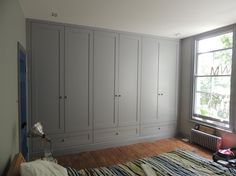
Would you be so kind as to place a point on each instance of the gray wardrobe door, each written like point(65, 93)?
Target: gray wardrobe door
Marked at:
point(47, 46)
point(167, 105)
point(104, 79)
point(129, 54)
point(149, 81)
point(78, 65)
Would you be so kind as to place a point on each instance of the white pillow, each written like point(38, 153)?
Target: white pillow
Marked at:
point(42, 168)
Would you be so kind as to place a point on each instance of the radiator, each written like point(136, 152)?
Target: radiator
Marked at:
point(206, 140)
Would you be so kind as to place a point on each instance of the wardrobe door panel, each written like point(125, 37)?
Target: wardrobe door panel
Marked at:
point(104, 79)
point(47, 46)
point(128, 79)
point(149, 81)
point(78, 52)
point(167, 101)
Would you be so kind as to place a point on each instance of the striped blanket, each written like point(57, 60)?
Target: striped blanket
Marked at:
point(175, 163)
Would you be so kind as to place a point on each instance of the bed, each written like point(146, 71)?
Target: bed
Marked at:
point(177, 163)
point(14, 169)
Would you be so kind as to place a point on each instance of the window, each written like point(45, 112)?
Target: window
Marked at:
point(212, 79)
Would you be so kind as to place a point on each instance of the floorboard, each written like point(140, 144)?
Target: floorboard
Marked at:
point(111, 156)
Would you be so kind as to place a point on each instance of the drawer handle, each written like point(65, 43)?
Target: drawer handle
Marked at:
point(117, 133)
point(63, 140)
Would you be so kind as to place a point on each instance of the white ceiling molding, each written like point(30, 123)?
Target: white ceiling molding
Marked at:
point(156, 17)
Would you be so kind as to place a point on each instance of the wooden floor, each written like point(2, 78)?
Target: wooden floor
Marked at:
point(121, 154)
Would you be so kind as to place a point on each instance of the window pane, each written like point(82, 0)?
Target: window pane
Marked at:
point(215, 43)
point(213, 85)
point(221, 85)
point(203, 84)
point(212, 78)
point(201, 104)
point(212, 105)
point(215, 63)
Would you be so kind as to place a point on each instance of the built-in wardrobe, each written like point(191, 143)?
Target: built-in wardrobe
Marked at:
point(94, 88)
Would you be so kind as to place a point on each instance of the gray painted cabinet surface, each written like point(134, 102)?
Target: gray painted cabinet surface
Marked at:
point(129, 53)
point(104, 79)
point(167, 105)
point(78, 64)
point(96, 88)
point(159, 85)
point(47, 49)
point(149, 81)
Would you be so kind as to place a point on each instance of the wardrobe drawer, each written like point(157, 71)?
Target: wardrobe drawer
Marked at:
point(71, 140)
point(105, 135)
point(158, 130)
point(63, 141)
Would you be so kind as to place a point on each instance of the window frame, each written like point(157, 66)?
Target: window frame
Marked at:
point(232, 111)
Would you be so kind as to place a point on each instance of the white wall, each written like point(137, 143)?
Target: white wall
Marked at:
point(12, 29)
point(157, 17)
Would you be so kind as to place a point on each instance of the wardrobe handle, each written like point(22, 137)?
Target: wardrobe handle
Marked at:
point(60, 97)
point(65, 97)
point(117, 95)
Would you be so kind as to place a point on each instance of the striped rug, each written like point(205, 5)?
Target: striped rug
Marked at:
point(175, 163)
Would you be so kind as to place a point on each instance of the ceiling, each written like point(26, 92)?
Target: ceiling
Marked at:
point(170, 18)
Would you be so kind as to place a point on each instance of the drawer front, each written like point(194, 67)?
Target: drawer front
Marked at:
point(105, 135)
point(113, 134)
point(149, 130)
point(63, 141)
point(70, 141)
point(158, 130)
point(128, 132)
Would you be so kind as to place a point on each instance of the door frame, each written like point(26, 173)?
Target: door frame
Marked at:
point(21, 49)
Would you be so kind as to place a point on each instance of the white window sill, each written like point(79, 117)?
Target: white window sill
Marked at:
point(213, 125)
